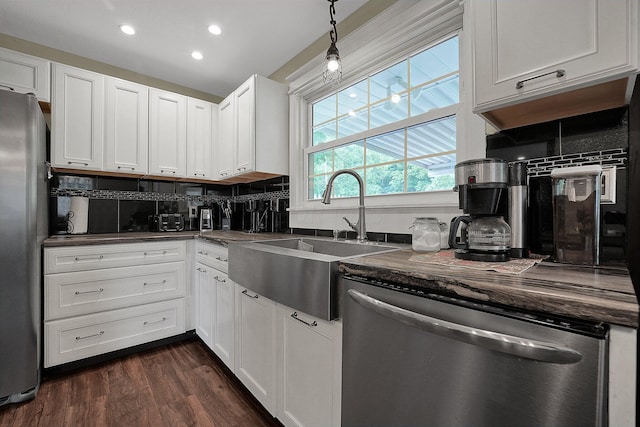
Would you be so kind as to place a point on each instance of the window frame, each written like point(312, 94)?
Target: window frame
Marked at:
point(367, 51)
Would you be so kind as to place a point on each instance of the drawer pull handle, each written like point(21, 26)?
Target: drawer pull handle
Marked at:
point(201, 270)
point(162, 282)
point(295, 316)
point(559, 73)
point(89, 292)
point(90, 258)
point(126, 167)
point(203, 253)
point(222, 259)
point(78, 163)
point(217, 279)
point(155, 253)
point(164, 171)
point(149, 322)
point(90, 336)
point(250, 296)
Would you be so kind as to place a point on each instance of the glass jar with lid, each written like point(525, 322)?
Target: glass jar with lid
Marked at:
point(425, 234)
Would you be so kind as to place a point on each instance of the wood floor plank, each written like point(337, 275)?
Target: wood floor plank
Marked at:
point(182, 384)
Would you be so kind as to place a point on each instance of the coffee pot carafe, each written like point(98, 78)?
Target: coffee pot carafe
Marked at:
point(482, 186)
point(484, 238)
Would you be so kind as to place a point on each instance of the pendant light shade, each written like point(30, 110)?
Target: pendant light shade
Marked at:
point(332, 69)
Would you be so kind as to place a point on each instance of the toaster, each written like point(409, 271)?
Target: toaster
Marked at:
point(166, 222)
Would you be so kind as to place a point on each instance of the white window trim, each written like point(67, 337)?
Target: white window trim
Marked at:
point(391, 36)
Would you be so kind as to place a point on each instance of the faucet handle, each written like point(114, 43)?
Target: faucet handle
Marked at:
point(353, 226)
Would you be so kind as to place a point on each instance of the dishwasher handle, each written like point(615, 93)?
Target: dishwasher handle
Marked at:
point(509, 344)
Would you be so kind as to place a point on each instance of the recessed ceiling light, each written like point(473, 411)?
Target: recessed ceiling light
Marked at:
point(214, 29)
point(127, 29)
point(196, 55)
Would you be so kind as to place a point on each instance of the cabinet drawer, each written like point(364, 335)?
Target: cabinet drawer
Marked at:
point(81, 258)
point(85, 336)
point(216, 256)
point(85, 292)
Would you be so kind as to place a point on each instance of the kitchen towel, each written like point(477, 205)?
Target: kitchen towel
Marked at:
point(447, 258)
point(78, 216)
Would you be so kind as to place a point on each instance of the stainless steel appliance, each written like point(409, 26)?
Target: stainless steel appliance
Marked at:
point(415, 359)
point(518, 209)
point(482, 194)
point(576, 214)
point(166, 222)
point(206, 219)
point(23, 227)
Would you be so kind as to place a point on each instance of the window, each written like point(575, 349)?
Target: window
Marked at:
point(396, 128)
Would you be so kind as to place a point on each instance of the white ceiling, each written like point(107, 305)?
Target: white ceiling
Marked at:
point(258, 36)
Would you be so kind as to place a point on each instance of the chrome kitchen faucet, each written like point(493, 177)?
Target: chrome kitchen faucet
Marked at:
point(359, 227)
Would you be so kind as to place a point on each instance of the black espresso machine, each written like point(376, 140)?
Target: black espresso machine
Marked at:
point(489, 192)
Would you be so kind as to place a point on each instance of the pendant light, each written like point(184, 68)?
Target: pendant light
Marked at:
point(332, 71)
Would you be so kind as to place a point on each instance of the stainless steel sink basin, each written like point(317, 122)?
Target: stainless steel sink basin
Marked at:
point(298, 272)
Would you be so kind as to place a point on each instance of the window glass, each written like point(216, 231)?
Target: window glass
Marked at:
point(355, 121)
point(349, 156)
point(385, 179)
point(403, 157)
point(391, 110)
point(385, 148)
point(324, 133)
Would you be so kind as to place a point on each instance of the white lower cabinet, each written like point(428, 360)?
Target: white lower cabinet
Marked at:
point(101, 298)
point(76, 338)
point(255, 358)
point(309, 370)
point(204, 303)
point(214, 301)
point(290, 361)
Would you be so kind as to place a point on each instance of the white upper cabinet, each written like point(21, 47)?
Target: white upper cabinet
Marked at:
point(254, 134)
point(524, 50)
point(245, 97)
point(25, 74)
point(126, 127)
point(226, 138)
point(199, 142)
point(77, 118)
point(167, 133)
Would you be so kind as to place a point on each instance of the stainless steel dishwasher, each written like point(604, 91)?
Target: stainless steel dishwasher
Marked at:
point(416, 359)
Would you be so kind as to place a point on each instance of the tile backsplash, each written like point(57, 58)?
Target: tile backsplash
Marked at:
point(125, 204)
point(599, 138)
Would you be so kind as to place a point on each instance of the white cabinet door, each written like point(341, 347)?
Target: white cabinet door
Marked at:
point(126, 127)
point(255, 358)
point(227, 137)
point(25, 73)
point(199, 131)
point(520, 45)
point(309, 370)
point(223, 318)
point(204, 303)
point(167, 133)
point(244, 98)
point(77, 118)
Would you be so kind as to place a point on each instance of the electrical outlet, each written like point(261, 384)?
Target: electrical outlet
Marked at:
point(608, 186)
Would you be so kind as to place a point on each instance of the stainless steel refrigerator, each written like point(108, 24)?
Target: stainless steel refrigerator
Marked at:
point(23, 228)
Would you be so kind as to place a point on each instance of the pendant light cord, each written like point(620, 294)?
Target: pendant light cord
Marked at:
point(334, 32)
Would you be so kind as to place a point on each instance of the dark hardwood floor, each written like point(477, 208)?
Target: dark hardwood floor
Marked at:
point(181, 384)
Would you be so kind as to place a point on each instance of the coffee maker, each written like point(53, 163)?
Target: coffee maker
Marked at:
point(482, 186)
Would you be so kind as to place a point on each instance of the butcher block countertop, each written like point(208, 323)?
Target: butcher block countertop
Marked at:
point(594, 294)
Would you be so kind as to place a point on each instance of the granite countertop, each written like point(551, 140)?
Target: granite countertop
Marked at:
point(217, 236)
point(594, 294)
